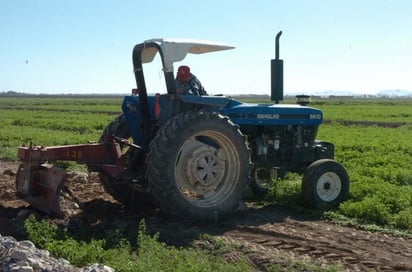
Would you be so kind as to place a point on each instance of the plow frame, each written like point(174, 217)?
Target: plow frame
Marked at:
point(39, 183)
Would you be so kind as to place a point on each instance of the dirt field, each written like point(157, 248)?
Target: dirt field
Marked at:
point(264, 235)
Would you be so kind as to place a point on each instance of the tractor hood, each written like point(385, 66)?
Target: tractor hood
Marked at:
point(273, 115)
point(174, 50)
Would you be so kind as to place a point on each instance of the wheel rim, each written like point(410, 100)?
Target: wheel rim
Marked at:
point(329, 186)
point(264, 176)
point(206, 167)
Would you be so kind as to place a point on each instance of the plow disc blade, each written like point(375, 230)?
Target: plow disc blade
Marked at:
point(41, 187)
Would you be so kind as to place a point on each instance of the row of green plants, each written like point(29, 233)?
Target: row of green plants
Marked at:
point(23, 127)
point(95, 104)
point(148, 253)
point(53, 120)
point(384, 111)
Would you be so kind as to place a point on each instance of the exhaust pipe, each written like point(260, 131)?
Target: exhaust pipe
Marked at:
point(277, 74)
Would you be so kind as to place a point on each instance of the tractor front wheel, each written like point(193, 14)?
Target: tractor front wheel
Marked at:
point(325, 184)
point(198, 166)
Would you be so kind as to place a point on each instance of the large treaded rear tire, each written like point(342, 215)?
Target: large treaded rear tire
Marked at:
point(117, 127)
point(198, 167)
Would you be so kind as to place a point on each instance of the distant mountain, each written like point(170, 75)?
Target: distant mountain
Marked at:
point(324, 93)
point(394, 93)
point(384, 93)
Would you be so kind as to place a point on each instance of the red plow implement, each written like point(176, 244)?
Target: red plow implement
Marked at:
point(39, 183)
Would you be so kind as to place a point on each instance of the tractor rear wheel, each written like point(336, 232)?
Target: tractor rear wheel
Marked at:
point(325, 184)
point(117, 127)
point(198, 166)
point(118, 188)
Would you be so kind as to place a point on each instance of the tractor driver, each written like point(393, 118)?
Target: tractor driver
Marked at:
point(187, 83)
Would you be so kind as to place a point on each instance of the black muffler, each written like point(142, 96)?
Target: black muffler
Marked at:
point(277, 74)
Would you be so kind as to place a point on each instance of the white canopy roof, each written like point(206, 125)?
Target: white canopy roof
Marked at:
point(174, 50)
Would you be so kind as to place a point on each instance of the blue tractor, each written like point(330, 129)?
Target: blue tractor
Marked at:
point(199, 155)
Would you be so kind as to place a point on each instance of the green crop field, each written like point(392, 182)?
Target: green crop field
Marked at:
point(374, 144)
point(372, 140)
point(53, 121)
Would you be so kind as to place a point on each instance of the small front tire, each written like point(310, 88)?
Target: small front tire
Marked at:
point(325, 184)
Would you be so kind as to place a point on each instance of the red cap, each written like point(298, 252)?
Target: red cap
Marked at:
point(183, 73)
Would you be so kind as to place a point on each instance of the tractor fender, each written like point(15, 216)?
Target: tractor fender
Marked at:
point(215, 101)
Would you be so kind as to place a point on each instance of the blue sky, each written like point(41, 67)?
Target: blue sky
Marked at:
point(85, 46)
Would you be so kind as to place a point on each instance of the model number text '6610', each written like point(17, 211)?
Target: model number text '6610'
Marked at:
point(315, 116)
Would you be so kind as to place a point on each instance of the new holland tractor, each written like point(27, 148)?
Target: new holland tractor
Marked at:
point(195, 155)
